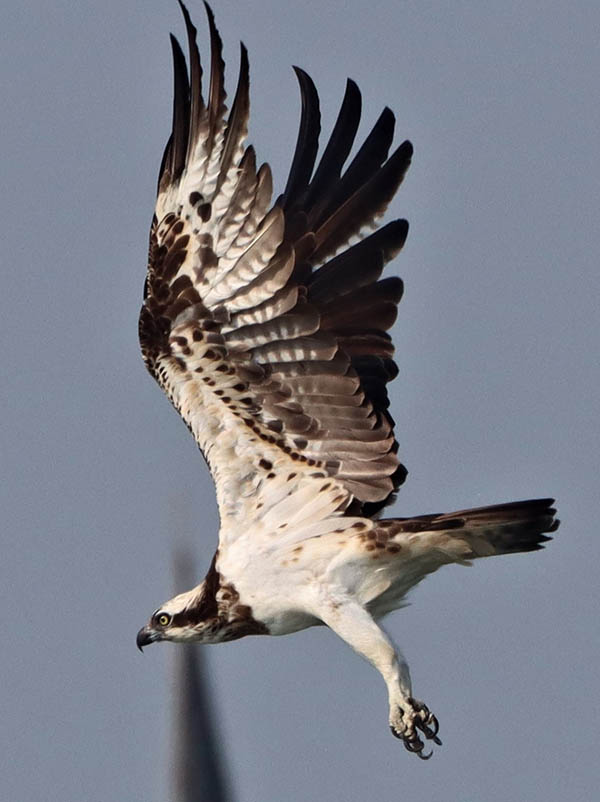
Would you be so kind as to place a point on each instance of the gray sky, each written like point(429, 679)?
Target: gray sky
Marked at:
point(496, 400)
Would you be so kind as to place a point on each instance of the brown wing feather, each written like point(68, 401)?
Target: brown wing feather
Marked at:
point(251, 307)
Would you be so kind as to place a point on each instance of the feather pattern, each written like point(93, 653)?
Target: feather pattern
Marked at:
point(270, 348)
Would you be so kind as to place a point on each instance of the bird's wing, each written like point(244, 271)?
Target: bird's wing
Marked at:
point(264, 327)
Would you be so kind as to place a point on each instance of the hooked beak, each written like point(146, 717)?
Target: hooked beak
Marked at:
point(144, 637)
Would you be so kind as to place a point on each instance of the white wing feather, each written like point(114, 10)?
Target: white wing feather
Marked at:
point(284, 396)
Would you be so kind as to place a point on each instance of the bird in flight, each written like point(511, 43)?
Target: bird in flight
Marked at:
point(266, 326)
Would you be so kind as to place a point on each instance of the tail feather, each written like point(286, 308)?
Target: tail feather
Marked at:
point(518, 526)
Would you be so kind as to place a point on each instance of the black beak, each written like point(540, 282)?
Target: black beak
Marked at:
point(144, 637)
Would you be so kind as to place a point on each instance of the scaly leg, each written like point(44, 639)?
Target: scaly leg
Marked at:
point(408, 716)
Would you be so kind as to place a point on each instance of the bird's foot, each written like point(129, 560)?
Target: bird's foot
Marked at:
point(412, 719)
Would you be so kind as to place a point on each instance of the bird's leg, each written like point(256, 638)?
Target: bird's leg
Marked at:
point(409, 718)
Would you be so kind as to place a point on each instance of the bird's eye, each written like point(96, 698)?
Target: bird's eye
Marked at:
point(163, 619)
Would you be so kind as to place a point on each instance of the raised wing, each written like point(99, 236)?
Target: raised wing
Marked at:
point(265, 329)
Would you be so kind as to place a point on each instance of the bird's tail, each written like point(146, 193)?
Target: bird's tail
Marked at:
point(482, 531)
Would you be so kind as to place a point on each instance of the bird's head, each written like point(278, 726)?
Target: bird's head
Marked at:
point(191, 616)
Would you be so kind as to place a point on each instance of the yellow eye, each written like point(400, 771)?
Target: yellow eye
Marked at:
point(164, 619)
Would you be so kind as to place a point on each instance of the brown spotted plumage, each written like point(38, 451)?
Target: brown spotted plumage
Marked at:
point(266, 324)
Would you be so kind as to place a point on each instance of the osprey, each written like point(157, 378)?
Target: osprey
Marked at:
point(267, 330)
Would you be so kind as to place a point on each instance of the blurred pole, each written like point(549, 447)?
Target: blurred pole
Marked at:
point(198, 766)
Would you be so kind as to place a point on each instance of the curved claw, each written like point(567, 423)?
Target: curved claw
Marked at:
point(435, 724)
point(414, 744)
point(429, 732)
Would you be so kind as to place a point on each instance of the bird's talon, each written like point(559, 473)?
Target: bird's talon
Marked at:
point(435, 724)
point(415, 716)
point(414, 744)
